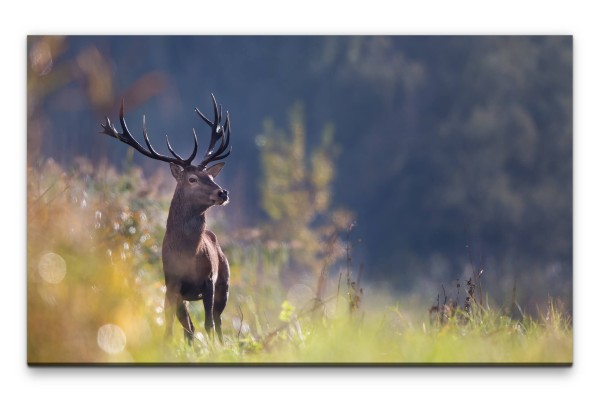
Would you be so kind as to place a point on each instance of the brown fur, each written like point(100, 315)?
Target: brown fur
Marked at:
point(195, 267)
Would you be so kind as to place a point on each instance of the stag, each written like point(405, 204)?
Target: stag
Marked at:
point(194, 265)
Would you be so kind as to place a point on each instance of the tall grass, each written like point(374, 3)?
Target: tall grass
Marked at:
point(95, 294)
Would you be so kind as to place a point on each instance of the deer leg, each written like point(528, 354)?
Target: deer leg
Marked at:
point(208, 298)
point(184, 318)
point(170, 302)
point(221, 295)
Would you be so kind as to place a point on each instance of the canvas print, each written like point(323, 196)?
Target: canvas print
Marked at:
point(300, 200)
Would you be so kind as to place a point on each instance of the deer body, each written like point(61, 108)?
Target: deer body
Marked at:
point(194, 265)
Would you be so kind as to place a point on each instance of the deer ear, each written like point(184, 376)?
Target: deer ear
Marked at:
point(176, 170)
point(215, 170)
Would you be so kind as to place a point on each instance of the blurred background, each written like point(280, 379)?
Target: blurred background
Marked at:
point(430, 158)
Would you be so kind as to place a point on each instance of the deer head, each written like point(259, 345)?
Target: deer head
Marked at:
point(201, 191)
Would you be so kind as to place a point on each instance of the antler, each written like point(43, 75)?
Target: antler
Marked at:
point(126, 137)
point(218, 132)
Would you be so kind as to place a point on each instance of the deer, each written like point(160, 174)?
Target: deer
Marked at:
point(194, 265)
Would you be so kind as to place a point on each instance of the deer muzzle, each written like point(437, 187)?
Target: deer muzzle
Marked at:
point(221, 197)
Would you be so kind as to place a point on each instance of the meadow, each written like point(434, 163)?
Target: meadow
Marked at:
point(95, 291)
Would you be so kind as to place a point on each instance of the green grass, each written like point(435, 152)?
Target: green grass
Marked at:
point(95, 295)
point(489, 338)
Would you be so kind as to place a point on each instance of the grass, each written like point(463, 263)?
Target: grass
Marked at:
point(95, 295)
point(377, 339)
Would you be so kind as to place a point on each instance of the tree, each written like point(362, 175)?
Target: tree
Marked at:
point(296, 191)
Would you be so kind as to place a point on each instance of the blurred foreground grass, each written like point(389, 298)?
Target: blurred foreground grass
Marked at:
point(95, 293)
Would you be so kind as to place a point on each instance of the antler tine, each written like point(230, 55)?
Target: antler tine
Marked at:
point(217, 133)
point(226, 134)
point(206, 120)
point(127, 138)
point(146, 139)
point(171, 149)
point(213, 155)
point(219, 153)
point(214, 137)
point(217, 130)
point(109, 129)
point(224, 155)
point(217, 117)
point(193, 155)
point(217, 113)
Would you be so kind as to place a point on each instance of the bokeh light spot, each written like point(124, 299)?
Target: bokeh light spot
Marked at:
point(41, 58)
point(111, 338)
point(52, 268)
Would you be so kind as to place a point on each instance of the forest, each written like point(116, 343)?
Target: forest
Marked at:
point(409, 185)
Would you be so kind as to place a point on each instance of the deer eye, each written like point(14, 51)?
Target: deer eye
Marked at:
point(193, 179)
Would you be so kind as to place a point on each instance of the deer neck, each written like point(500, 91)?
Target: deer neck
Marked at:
point(184, 220)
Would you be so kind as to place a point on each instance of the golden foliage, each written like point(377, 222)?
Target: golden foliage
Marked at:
point(92, 261)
